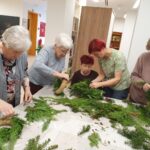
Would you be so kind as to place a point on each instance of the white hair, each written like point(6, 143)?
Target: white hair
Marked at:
point(16, 38)
point(64, 40)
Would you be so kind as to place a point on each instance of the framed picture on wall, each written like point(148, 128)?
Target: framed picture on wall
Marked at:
point(7, 21)
point(115, 40)
point(42, 29)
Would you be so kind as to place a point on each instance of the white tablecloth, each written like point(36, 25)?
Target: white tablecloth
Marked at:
point(65, 128)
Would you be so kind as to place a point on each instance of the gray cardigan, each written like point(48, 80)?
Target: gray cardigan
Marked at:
point(20, 75)
point(44, 65)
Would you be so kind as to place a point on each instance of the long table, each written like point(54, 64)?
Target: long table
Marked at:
point(66, 126)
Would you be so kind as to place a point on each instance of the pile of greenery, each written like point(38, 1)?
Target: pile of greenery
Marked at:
point(9, 135)
point(139, 138)
point(97, 109)
point(41, 111)
point(84, 129)
point(33, 144)
point(130, 116)
point(83, 90)
point(94, 139)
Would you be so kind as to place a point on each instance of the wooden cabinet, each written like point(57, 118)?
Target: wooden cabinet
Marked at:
point(94, 23)
point(115, 40)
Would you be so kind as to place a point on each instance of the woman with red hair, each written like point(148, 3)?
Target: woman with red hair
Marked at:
point(85, 72)
point(114, 76)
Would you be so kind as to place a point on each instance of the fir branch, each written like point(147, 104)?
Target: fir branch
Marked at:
point(41, 111)
point(57, 83)
point(130, 116)
point(33, 144)
point(139, 138)
point(83, 90)
point(94, 139)
point(85, 129)
point(53, 147)
point(46, 124)
point(10, 135)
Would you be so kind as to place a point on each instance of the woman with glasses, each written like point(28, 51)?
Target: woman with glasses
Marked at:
point(14, 43)
point(50, 63)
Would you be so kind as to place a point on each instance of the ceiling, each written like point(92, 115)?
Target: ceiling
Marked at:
point(120, 7)
point(35, 2)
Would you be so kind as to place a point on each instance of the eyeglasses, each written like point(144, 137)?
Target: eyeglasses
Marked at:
point(64, 50)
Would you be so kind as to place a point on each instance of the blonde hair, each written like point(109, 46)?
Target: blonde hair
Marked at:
point(16, 38)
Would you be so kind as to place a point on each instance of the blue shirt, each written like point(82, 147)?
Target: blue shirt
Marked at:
point(44, 66)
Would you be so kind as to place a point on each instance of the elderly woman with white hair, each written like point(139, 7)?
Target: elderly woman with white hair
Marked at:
point(141, 78)
point(14, 43)
point(49, 63)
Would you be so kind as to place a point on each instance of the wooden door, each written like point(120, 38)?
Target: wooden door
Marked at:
point(94, 23)
point(33, 20)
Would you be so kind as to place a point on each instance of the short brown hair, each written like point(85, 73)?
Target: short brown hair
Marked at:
point(86, 59)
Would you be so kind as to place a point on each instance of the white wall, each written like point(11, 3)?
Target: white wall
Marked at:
point(118, 25)
point(69, 14)
point(77, 12)
point(128, 32)
point(12, 8)
point(59, 19)
point(111, 25)
point(40, 10)
point(20, 9)
point(141, 33)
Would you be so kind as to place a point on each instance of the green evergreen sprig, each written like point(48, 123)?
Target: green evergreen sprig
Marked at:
point(33, 144)
point(139, 138)
point(9, 135)
point(83, 90)
point(127, 116)
point(41, 111)
point(94, 139)
point(85, 129)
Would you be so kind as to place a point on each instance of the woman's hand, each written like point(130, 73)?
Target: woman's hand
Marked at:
point(6, 109)
point(27, 95)
point(61, 75)
point(146, 87)
point(65, 76)
point(96, 85)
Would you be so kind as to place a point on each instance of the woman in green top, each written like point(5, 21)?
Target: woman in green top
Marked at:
point(114, 76)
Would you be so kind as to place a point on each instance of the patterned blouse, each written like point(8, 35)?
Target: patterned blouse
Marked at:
point(9, 68)
point(116, 62)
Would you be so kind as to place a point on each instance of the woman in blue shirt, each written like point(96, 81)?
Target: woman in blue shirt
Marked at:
point(50, 63)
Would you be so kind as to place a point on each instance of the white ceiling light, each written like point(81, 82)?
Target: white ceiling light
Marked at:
point(96, 1)
point(136, 4)
point(125, 15)
point(82, 2)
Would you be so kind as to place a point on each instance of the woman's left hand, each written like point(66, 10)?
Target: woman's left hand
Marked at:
point(96, 85)
point(27, 95)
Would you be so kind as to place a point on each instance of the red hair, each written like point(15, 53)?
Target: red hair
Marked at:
point(86, 59)
point(96, 45)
